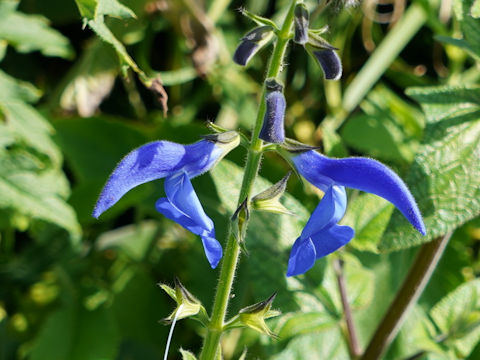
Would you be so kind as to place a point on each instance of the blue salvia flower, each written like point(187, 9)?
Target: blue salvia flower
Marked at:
point(273, 129)
point(322, 235)
point(178, 164)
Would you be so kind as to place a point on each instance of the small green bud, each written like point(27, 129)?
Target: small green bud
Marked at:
point(254, 316)
point(269, 200)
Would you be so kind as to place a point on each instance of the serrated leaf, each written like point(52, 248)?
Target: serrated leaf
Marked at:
point(445, 176)
point(458, 318)
point(31, 33)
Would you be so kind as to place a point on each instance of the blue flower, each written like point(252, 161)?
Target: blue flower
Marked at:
point(178, 164)
point(322, 235)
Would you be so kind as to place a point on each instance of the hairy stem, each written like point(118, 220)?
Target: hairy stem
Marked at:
point(412, 287)
point(353, 345)
point(254, 157)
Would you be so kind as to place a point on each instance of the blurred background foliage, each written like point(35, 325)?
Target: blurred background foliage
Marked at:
point(79, 88)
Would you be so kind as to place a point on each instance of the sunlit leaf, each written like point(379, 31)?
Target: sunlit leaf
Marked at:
point(445, 176)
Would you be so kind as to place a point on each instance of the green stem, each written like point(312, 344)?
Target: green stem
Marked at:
point(412, 287)
point(232, 251)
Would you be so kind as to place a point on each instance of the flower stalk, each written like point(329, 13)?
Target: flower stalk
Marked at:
point(232, 251)
point(420, 272)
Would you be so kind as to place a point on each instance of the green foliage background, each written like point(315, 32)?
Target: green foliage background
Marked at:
point(75, 97)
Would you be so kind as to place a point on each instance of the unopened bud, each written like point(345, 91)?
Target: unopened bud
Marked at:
point(251, 43)
point(301, 24)
point(273, 128)
point(330, 63)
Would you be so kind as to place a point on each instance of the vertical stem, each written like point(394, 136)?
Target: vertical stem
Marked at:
point(412, 287)
point(254, 157)
point(353, 345)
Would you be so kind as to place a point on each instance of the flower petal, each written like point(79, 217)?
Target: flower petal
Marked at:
point(180, 193)
point(212, 248)
point(328, 212)
point(149, 162)
point(331, 239)
point(364, 174)
point(302, 257)
point(183, 207)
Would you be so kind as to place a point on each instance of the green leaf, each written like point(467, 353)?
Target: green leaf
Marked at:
point(37, 196)
point(92, 9)
point(295, 324)
point(389, 128)
point(133, 240)
point(326, 345)
point(369, 215)
point(470, 26)
point(75, 333)
point(445, 176)
point(457, 316)
point(31, 32)
point(475, 9)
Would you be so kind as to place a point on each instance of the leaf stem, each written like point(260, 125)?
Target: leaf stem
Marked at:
point(412, 287)
point(254, 157)
point(353, 346)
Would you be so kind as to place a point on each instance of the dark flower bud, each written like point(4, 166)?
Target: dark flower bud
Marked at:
point(301, 24)
point(330, 63)
point(251, 43)
point(273, 123)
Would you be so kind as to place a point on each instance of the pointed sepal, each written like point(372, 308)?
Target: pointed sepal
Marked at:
point(259, 20)
point(254, 316)
point(187, 355)
point(187, 304)
point(269, 199)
